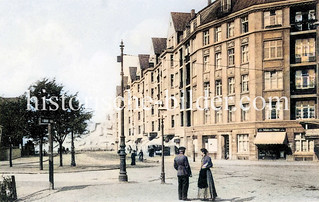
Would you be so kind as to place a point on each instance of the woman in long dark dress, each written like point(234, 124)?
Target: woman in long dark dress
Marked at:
point(206, 181)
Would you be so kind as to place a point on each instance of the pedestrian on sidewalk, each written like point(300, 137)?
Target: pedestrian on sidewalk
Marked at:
point(183, 173)
point(205, 179)
point(133, 156)
point(141, 156)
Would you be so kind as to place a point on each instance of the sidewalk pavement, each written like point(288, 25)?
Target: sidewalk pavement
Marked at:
point(235, 181)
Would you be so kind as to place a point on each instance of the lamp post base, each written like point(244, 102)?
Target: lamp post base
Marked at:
point(123, 178)
point(162, 178)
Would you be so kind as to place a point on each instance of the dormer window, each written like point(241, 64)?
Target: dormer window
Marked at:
point(226, 5)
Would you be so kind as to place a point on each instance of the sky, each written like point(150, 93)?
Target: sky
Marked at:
point(77, 42)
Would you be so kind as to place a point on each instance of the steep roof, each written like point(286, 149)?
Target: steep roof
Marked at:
point(144, 61)
point(211, 12)
point(133, 71)
point(159, 45)
point(180, 20)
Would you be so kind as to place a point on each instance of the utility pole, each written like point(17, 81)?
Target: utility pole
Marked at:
point(123, 175)
point(51, 165)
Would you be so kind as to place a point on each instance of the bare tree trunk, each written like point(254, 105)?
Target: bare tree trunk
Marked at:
point(61, 157)
point(41, 153)
point(10, 155)
point(72, 151)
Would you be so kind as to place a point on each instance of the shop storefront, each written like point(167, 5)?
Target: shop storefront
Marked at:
point(272, 143)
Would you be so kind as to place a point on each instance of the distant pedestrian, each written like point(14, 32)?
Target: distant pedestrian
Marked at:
point(141, 156)
point(183, 173)
point(206, 180)
point(133, 156)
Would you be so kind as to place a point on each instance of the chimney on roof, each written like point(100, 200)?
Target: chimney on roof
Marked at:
point(192, 13)
point(209, 2)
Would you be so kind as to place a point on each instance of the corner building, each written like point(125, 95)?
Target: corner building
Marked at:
point(247, 52)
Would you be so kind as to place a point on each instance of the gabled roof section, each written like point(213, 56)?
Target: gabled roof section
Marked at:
point(144, 61)
point(180, 20)
point(159, 45)
point(211, 12)
point(133, 71)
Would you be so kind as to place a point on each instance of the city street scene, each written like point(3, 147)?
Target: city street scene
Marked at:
point(206, 100)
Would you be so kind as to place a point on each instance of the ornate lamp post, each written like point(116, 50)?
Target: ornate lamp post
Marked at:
point(123, 174)
point(162, 109)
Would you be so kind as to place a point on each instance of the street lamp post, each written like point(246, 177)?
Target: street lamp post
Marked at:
point(123, 174)
point(163, 147)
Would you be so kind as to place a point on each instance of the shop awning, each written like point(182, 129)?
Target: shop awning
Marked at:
point(312, 132)
point(271, 138)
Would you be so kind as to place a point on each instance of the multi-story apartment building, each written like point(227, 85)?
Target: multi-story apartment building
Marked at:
point(245, 78)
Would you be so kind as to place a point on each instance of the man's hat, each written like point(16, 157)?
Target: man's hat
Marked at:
point(182, 149)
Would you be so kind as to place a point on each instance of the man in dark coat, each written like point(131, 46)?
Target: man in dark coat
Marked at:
point(183, 173)
point(133, 155)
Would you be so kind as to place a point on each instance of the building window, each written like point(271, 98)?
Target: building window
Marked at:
point(231, 57)
point(139, 130)
point(305, 79)
point(244, 25)
point(206, 89)
point(274, 111)
point(206, 116)
point(139, 116)
point(152, 93)
point(243, 143)
point(218, 61)
point(173, 121)
point(219, 87)
point(159, 125)
point(231, 86)
point(138, 88)
point(129, 119)
point(273, 80)
point(302, 144)
point(172, 60)
point(206, 63)
point(152, 77)
point(305, 50)
point(152, 110)
point(230, 29)
point(273, 49)
point(219, 116)
point(153, 126)
point(305, 110)
point(244, 53)
point(206, 37)
point(304, 20)
point(231, 113)
point(129, 132)
point(172, 80)
point(245, 112)
point(182, 119)
point(244, 83)
point(273, 18)
point(218, 33)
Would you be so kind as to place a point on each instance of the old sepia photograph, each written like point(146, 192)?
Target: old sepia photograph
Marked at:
point(159, 101)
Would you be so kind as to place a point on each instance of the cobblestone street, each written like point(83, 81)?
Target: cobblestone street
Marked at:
point(235, 181)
